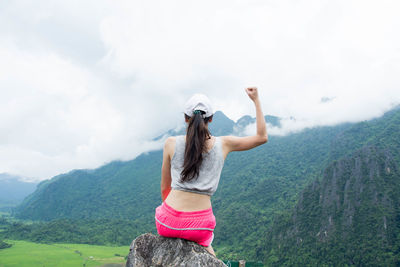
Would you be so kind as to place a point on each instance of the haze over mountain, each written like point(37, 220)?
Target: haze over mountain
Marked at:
point(91, 83)
point(139, 177)
point(13, 189)
point(257, 192)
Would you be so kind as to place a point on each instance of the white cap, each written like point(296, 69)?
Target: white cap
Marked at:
point(199, 102)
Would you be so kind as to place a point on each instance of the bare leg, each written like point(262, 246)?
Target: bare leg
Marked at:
point(210, 250)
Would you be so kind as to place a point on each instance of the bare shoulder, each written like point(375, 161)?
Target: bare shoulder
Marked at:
point(170, 140)
point(169, 146)
point(169, 143)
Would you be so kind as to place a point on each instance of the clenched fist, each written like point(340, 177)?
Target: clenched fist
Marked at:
point(252, 93)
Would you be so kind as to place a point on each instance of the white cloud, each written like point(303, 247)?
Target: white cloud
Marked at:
point(83, 83)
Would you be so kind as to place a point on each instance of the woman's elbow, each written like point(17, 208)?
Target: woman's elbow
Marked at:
point(263, 139)
point(165, 188)
point(165, 192)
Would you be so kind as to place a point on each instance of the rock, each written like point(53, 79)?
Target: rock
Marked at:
point(150, 250)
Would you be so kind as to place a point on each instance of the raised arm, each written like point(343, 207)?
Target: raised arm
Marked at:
point(234, 143)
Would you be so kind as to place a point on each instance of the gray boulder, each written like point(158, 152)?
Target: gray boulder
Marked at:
point(150, 250)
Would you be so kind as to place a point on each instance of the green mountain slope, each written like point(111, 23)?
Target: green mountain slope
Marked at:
point(351, 216)
point(256, 186)
point(381, 132)
point(119, 190)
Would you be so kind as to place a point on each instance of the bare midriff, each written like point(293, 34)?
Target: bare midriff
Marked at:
point(188, 201)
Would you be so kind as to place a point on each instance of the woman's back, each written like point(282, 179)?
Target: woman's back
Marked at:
point(195, 195)
point(206, 182)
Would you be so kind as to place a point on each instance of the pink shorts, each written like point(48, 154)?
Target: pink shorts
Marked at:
point(197, 226)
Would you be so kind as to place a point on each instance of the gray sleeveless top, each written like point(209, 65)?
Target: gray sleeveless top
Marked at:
point(209, 173)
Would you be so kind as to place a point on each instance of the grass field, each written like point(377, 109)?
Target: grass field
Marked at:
point(24, 253)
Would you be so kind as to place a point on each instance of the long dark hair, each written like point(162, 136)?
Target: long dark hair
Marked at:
point(196, 135)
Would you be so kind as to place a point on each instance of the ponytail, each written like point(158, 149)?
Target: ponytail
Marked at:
point(196, 136)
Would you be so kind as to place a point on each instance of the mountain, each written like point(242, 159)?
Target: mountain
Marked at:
point(103, 192)
point(350, 216)
point(257, 187)
point(115, 190)
point(223, 126)
point(13, 189)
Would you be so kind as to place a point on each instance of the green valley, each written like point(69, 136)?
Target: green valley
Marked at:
point(23, 253)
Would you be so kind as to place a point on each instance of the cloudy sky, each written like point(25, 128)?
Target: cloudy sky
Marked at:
point(83, 83)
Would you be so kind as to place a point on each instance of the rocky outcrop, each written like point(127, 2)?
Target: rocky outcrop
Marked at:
point(150, 250)
point(349, 217)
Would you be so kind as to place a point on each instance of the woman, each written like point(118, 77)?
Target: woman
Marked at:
point(191, 170)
